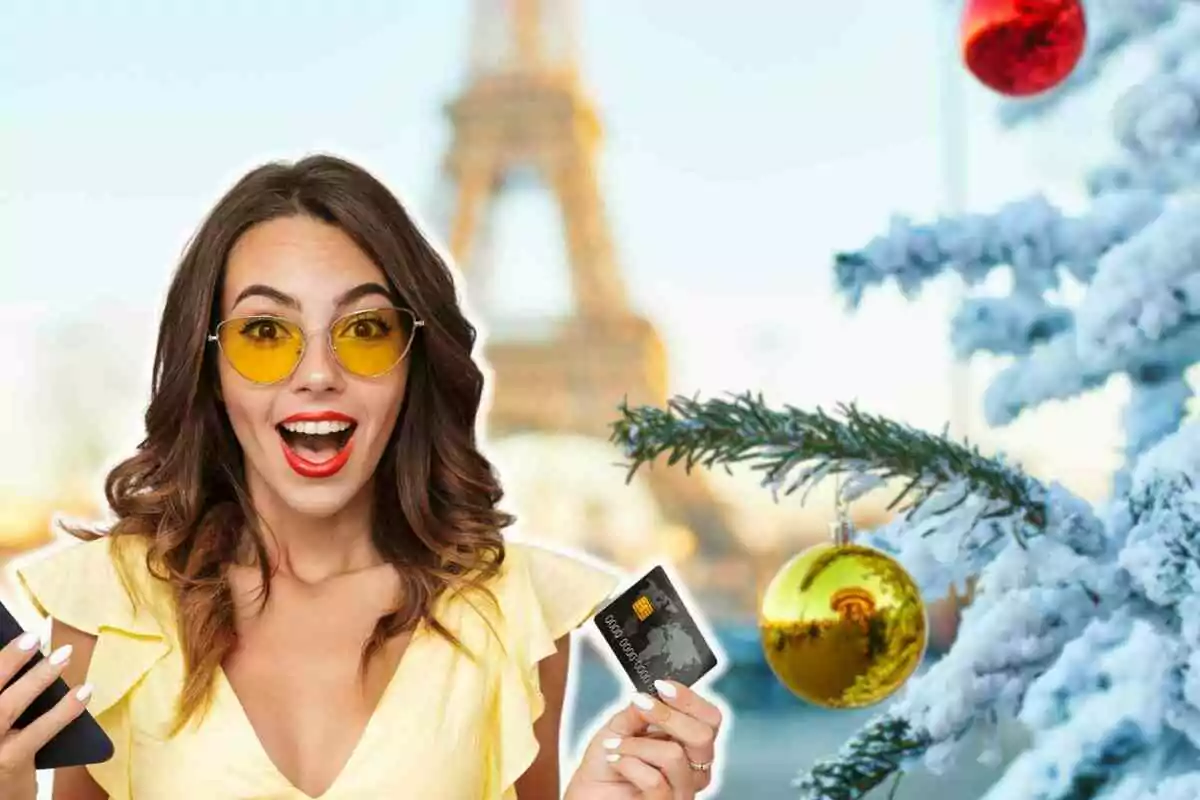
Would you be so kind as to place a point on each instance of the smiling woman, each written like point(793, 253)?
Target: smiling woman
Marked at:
point(299, 290)
point(266, 348)
point(307, 592)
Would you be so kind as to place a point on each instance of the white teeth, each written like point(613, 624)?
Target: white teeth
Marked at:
point(317, 428)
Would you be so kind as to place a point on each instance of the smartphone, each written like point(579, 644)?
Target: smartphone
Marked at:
point(82, 741)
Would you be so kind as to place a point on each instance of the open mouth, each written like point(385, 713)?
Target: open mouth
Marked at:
point(317, 449)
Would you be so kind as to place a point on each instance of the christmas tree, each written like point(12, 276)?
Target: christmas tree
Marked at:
point(1085, 625)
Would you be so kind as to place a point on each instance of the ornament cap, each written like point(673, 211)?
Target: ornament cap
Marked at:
point(841, 530)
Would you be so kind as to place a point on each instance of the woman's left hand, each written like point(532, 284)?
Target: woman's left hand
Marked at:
point(655, 749)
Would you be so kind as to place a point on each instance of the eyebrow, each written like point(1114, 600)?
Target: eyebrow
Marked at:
point(284, 299)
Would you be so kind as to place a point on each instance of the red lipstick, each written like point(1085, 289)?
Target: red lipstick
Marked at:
point(318, 469)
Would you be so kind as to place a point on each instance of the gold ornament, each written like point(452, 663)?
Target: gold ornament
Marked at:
point(843, 625)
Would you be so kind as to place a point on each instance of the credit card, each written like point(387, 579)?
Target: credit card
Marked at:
point(653, 636)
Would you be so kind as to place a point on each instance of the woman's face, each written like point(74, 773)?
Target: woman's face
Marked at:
point(312, 440)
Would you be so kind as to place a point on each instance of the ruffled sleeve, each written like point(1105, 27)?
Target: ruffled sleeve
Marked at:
point(80, 586)
point(543, 595)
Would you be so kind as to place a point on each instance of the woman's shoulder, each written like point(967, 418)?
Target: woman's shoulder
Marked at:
point(551, 569)
point(551, 589)
point(93, 583)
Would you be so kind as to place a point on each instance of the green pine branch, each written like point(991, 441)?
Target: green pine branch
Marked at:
point(742, 429)
point(876, 752)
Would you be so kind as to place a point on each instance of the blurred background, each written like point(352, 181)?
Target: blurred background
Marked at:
point(643, 199)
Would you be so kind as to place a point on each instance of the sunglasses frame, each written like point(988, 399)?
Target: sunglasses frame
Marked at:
point(215, 336)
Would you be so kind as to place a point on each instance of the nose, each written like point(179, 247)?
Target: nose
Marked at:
point(318, 371)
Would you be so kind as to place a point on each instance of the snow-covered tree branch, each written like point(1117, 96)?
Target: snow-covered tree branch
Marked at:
point(1030, 237)
point(1113, 26)
point(1157, 120)
point(1085, 626)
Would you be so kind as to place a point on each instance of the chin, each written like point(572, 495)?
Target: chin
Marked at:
point(317, 502)
point(284, 492)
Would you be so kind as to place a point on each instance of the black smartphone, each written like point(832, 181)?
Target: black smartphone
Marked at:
point(82, 741)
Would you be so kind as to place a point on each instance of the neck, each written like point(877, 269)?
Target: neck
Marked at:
point(312, 548)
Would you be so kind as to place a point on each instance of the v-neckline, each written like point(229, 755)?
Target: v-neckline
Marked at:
point(390, 688)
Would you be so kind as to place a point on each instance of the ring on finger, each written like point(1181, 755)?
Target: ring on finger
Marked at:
point(700, 766)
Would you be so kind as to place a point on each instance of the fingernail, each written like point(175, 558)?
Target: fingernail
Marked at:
point(612, 744)
point(84, 693)
point(613, 756)
point(665, 689)
point(643, 702)
point(60, 656)
point(28, 641)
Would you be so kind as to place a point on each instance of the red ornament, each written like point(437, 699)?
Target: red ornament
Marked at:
point(1022, 47)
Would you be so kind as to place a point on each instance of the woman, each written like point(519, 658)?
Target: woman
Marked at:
point(306, 593)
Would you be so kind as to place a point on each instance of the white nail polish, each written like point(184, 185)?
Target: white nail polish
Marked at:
point(84, 693)
point(27, 642)
point(60, 656)
point(643, 702)
point(665, 689)
point(612, 744)
point(613, 756)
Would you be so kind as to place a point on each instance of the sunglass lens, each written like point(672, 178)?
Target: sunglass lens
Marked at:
point(262, 349)
point(369, 343)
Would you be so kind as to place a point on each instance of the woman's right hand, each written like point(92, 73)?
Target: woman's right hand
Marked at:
point(18, 778)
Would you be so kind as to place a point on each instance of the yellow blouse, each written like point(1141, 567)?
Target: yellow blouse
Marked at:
point(446, 728)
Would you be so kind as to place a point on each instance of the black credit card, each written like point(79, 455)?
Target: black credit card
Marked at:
point(653, 636)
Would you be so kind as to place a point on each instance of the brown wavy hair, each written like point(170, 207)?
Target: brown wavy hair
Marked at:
point(184, 490)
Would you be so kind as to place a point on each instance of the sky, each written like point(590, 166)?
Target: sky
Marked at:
point(743, 149)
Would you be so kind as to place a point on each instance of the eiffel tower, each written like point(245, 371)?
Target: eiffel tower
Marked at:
point(524, 110)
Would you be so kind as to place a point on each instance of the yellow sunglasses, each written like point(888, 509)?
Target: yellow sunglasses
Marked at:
point(267, 349)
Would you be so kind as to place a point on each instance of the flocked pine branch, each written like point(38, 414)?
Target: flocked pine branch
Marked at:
point(1158, 404)
point(1155, 121)
point(1112, 26)
point(795, 447)
point(1158, 129)
point(1104, 704)
point(1055, 370)
point(1139, 317)
point(1006, 325)
point(1031, 237)
point(1144, 291)
point(1176, 787)
point(1118, 715)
